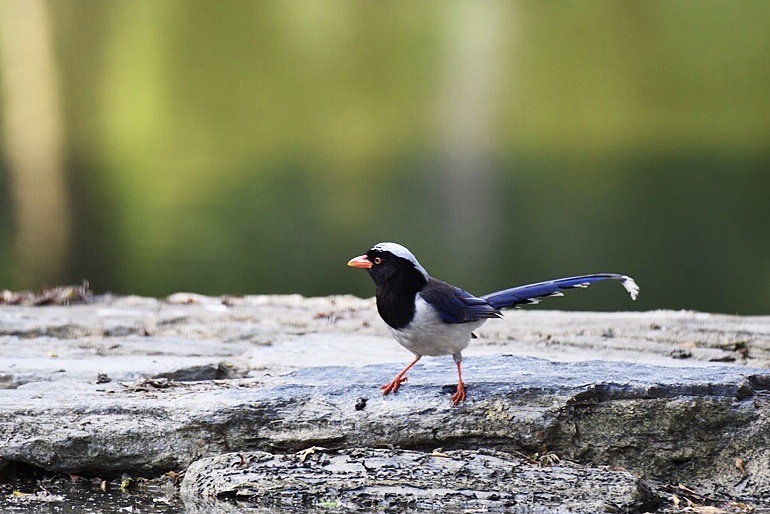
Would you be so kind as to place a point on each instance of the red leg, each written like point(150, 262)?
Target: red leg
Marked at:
point(459, 396)
point(394, 384)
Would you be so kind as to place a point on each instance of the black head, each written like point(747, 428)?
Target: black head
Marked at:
point(393, 268)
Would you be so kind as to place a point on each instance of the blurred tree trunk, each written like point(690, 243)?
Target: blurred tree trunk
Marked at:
point(468, 127)
point(32, 142)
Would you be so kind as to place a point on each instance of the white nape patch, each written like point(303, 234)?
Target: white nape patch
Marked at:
point(631, 286)
point(403, 252)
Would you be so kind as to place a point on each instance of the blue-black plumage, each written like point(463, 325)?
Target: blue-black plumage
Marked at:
point(531, 293)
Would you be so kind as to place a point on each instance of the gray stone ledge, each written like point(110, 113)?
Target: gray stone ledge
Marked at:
point(142, 386)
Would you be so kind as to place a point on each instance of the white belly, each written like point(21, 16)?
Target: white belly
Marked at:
point(428, 335)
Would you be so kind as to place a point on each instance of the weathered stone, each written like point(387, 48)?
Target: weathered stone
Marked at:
point(395, 480)
point(263, 380)
point(678, 423)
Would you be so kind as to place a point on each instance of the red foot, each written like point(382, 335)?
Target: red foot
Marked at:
point(393, 385)
point(459, 396)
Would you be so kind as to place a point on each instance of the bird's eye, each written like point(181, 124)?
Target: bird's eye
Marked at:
point(378, 260)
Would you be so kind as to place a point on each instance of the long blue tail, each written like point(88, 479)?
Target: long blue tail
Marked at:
point(530, 293)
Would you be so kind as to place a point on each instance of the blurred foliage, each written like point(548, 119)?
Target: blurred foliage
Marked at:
point(253, 147)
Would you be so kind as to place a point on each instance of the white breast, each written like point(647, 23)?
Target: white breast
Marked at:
point(428, 335)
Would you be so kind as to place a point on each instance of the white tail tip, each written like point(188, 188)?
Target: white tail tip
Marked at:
point(631, 286)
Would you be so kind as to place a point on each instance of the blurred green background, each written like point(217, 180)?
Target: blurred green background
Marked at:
point(154, 146)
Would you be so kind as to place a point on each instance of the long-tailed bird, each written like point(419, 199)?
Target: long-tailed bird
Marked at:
point(430, 317)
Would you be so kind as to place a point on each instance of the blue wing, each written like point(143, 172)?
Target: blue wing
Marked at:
point(454, 305)
point(530, 293)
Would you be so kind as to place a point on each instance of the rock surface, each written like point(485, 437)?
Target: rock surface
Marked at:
point(143, 386)
point(394, 480)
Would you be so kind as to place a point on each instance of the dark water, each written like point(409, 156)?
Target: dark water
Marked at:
point(84, 496)
point(160, 496)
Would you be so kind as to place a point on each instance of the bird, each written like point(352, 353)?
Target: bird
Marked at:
point(430, 317)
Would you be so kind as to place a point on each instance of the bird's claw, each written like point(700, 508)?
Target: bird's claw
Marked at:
point(393, 385)
point(459, 395)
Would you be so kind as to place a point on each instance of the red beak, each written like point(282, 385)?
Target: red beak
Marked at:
point(362, 262)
